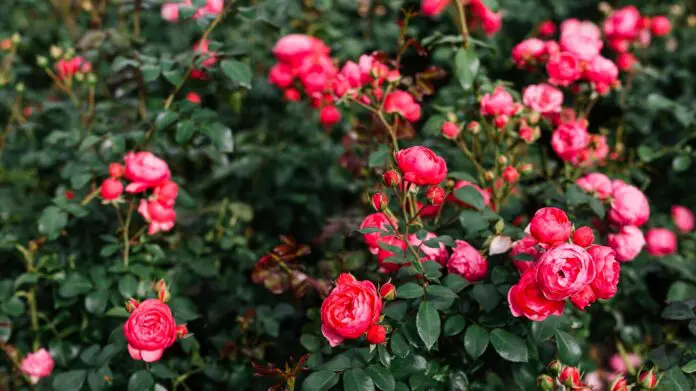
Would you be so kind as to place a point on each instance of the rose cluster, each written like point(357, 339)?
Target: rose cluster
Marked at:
point(481, 16)
point(561, 263)
point(569, 377)
point(353, 309)
point(66, 69)
point(145, 171)
point(625, 28)
point(170, 11)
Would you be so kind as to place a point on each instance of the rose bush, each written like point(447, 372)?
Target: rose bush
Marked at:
point(336, 194)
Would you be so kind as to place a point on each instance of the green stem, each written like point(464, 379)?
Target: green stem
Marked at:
point(126, 237)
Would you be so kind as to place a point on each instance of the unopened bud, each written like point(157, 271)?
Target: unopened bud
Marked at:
point(500, 121)
point(474, 127)
point(619, 384)
point(19, 87)
point(502, 160)
point(164, 296)
point(435, 194)
point(80, 77)
point(489, 176)
point(449, 130)
point(583, 236)
point(525, 168)
point(69, 53)
point(391, 178)
point(55, 51)
point(91, 79)
point(510, 175)
point(570, 377)
point(555, 367)
point(41, 61)
point(388, 291)
point(380, 202)
point(648, 380)
point(181, 331)
point(16, 38)
point(534, 117)
point(545, 383)
point(131, 305)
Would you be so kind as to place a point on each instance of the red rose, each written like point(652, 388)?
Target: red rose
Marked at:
point(583, 236)
point(376, 334)
point(550, 226)
point(563, 69)
point(149, 330)
point(564, 271)
point(111, 189)
point(421, 166)
point(350, 310)
point(525, 299)
point(583, 298)
point(629, 206)
point(467, 262)
point(145, 170)
point(608, 270)
point(403, 103)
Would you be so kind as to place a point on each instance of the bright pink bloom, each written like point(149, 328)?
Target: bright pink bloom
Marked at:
point(437, 254)
point(350, 310)
point(111, 189)
point(583, 236)
point(433, 7)
point(622, 23)
point(292, 48)
point(67, 69)
point(116, 170)
point(550, 226)
point(403, 103)
point(569, 139)
point(563, 69)
point(583, 298)
point(617, 364)
point(596, 184)
point(170, 12)
point(660, 26)
point(450, 130)
point(626, 61)
point(683, 218)
point(661, 242)
point(291, 95)
point(498, 103)
point(145, 170)
point(280, 75)
point(150, 330)
point(37, 365)
point(608, 271)
point(583, 47)
point(486, 197)
point(467, 262)
point(194, 98)
point(547, 28)
point(543, 98)
point(602, 73)
point(490, 22)
point(166, 193)
point(510, 174)
point(627, 243)
point(329, 116)
point(160, 216)
point(629, 206)
point(377, 334)
point(375, 220)
point(564, 271)
point(528, 52)
point(526, 299)
point(582, 28)
point(421, 166)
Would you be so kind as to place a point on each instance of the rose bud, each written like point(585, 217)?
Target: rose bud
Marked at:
point(116, 170)
point(583, 236)
point(181, 331)
point(388, 291)
point(550, 226)
point(570, 377)
point(619, 384)
point(683, 218)
point(510, 174)
point(474, 127)
point(164, 296)
point(380, 202)
point(660, 26)
point(526, 168)
point(37, 365)
point(391, 178)
point(291, 95)
point(111, 189)
point(545, 383)
point(194, 98)
point(376, 334)
point(329, 116)
point(547, 28)
point(450, 130)
point(555, 367)
point(131, 305)
point(435, 194)
point(647, 380)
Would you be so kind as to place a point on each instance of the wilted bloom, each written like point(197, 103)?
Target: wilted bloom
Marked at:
point(37, 365)
point(661, 242)
point(683, 218)
point(467, 262)
point(627, 243)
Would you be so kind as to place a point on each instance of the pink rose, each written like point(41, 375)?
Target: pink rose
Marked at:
point(329, 115)
point(627, 243)
point(467, 262)
point(433, 7)
point(629, 206)
point(584, 48)
point(150, 330)
point(564, 271)
point(608, 271)
point(617, 364)
point(421, 166)
point(350, 310)
point(596, 184)
point(498, 103)
point(543, 98)
point(450, 130)
point(550, 226)
point(37, 365)
point(167, 193)
point(375, 220)
point(582, 28)
point(528, 52)
point(547, 28)
point(383, 254)
point(402, 102)
point(569, 139)
point(160, 216)
point(563, 69)
point(527, 246)
point(661, 242)
point(111, 189)
point(459, 184)
point(526, 299)
point(602, 73)
point(584, 298)
point(292, 48)
point(437, 254)
point(660, 26)
point(145, 171)
point(489, 21)
point(170, 12)
point(626, 61)
point(622, 23)
point(280, 75)
point(683, 218)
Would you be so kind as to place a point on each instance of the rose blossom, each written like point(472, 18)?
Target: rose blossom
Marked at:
point(375, 220)
point(547, 28)
point(377, 334)
point(584, 298)
point(660, 25)
point(403, 103)
point(622, 23)
point(111, 189)
point(170, 12)
point(597, 184)
point(526, 299)
point(629, 206)
point(433, 7)
point(563, 69)
point(145, 170)
point(510, 175)
point(421, 166)
point(528, 246)
point(683, 218)
point(37, 365)
point(550, 226)
point(329, 115)
point(450, 130)
point(602, 73)
point(529, 51)
point(625, 61)
point(564, 271)
point(467, 262)
point(350, 310)
point(498, 103)
point(661, 242)
point(167, 193)
point(584, 48)
point(608, 271)
point(292, 48)
point(489, 21)
point(543, 98)
point(438, 254)
point(617, 364)
point(627, 243)
point(160, 216)
point(574, 26)
point(583, 236)
point(569, 139)
point(150, 330)
point(116, 170)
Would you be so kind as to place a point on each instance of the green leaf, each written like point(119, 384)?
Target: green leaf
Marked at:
point(96, 302)
point(569, 350)
point(13, 307)
point(378, 157)
point(100, 379)
point(184, 131)
point(238, 72)
point(381, 377)
point(384, 357)
point(74, 285)
point(409, 290)
point(128, 286)
point(509, 346)
point(441, 291)
point(674, 380)
point(541, 331)
point(428, 324)
point(646, 153)
point(310, 342)
point(398, 344)
point(107, 353)
point(70, 381)
point(150, 72)
point(140, 381)
point(487, 296)
point(174, 76)
point(454, 325)
point(475, 341)
point(338, 363)
point(690, 367)
point(52, 221)
point(455, 282)
point(470, 196)
point(681, 163)
point(5, 329)
point(357, 380)
point(320, 381)
point(466, 64)
point(164, 119)
point(162, 371)
point(678, 311)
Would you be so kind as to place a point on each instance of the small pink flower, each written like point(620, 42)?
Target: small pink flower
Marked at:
point(403, 103)
point(547, 28)
point(582, 28)
point(627, 243)
point(596, 184)
point(617, 364)
point(37, 365)
point(145, 170)
point(661, 242)
point(660, 26)
point(467, 262)
point(569, 139)
point(292, 48)
point(583, 47)
point(433, 7)
point(528, 52)
point(526, 299)
point(622, 23)
point(111, 189)
point(160, 216)
point(194, 98)
point(629, 206)
point(626, 61)
point(543, 98)
point(202, 47)
point(498, 103)
point(281, 75)
point(602, 73)
point(170, 12)
point(563, 69)
point(329, 115)
point(438, 254)
point(683, 218)
point(450, 130)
